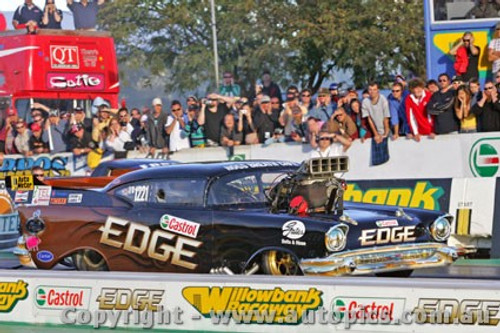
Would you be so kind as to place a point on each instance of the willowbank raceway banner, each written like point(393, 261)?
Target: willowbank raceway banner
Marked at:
point(247, 304)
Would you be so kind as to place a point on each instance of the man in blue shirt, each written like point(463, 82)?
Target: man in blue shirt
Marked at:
point(396, 99)
point(85, 13)
point(27, 15)
point(324, 109)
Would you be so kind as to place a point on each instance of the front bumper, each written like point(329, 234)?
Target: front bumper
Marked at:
point(381, 259)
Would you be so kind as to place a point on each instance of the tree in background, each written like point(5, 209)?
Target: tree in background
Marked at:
point(301, 41)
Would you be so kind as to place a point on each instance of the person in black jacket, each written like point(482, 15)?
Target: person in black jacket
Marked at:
point(487, 109)
point(441, 107)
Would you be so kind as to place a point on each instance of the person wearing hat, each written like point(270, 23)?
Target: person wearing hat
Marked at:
point(78, 116)
point(266, 118)
point(100, 122)
point(10, 132)
point(324, 109)
point(193, 130)
point(341, 124)
point(157, 137)
point(330, 145)
point(494, 50)
point(22, 139)
point(80, 141)
point(296, 128)
point(212, 116)
point(36, 143)
point(334, 92)
point(56, 131)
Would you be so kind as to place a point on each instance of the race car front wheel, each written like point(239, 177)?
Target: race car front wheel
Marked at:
point(89, 260)
point(279, 263)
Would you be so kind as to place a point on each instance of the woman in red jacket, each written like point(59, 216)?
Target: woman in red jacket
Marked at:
point(419, 121)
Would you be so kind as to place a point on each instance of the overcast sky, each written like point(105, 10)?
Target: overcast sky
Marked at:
point(11, 5)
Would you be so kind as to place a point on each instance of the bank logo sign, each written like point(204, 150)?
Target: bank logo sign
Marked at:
point(483, 157)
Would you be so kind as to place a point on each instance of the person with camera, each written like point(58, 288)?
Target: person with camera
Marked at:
point(124, 119)
point(295, 127)
point(157, 137)
point(341, 123)
point(10, 131)
point(56, 132)
point(193, 130)
point(246, 125)
point(324, 108)
point(230, 136)
point(174, 127)
point(266, 118)
point(330, 145)
point(52, 17)
point(117, 136)
point(212, 115)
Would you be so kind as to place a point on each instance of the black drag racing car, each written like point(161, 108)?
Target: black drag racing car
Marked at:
point(270, 217)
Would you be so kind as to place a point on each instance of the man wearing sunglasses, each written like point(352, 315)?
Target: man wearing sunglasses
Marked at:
point(466, 57)
point(487, 109)
point(175, 126)
point(330, 145)
point(397, 109)
point(441, 107)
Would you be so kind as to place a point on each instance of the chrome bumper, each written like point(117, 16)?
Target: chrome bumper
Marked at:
point(381, 259)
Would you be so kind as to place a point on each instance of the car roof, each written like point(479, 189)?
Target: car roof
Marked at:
point(202, 170)
point(127, 163)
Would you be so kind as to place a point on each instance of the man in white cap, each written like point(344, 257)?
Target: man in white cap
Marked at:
point(157, 137)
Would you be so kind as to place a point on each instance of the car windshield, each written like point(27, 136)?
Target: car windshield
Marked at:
point(243, 188)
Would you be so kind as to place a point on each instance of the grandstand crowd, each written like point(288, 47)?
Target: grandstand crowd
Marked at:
point(330, 117)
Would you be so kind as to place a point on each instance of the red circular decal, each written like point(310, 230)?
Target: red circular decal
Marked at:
point(3, 23)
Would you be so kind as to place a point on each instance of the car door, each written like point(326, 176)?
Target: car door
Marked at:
point(170, 224)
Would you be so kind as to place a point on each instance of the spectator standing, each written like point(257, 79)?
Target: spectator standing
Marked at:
point(466, 49)
point(441, 107)
point(494, 50)
point(361, 123)
point(419, 121)
point(397, 109)
point(156, 136)
point(100, 122)
point(306, 99)
point(80, 141)
point(193, 130)
point(27, 16)
point(228, 87)
point(266, 118)
point(484, 9)
point(11, 132)
point(22, 139)
point(56, 132)
point(334, 93)
point(330, 145)
point(52, 17)
point(324, 109)
point(245, 123)
point(175, 126)
point(475, 90)
point(78, 117)
point(135, 118)
point(270, 88)
point(85, 13)
point(117, 136)
point(296, 128)
point(230, 136)
point(462, 108)
point(376, 110)
point(340, 123)
point(432, 86)
point(487, 109)
point(124, 119)
point(211, 117)
point(36, 143)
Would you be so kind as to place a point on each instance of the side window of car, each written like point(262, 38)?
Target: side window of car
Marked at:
point(137, 192)
point(231, 190)
point(175, 191)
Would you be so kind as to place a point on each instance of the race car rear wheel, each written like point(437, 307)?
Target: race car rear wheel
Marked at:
point(89, 260)
point(402, 274)
point(279, 263)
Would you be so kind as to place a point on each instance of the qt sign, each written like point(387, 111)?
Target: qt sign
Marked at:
point(483, 157)
point(64, 57)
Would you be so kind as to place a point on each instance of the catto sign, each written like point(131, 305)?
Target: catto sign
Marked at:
point(64, 57)
point(70, 81)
